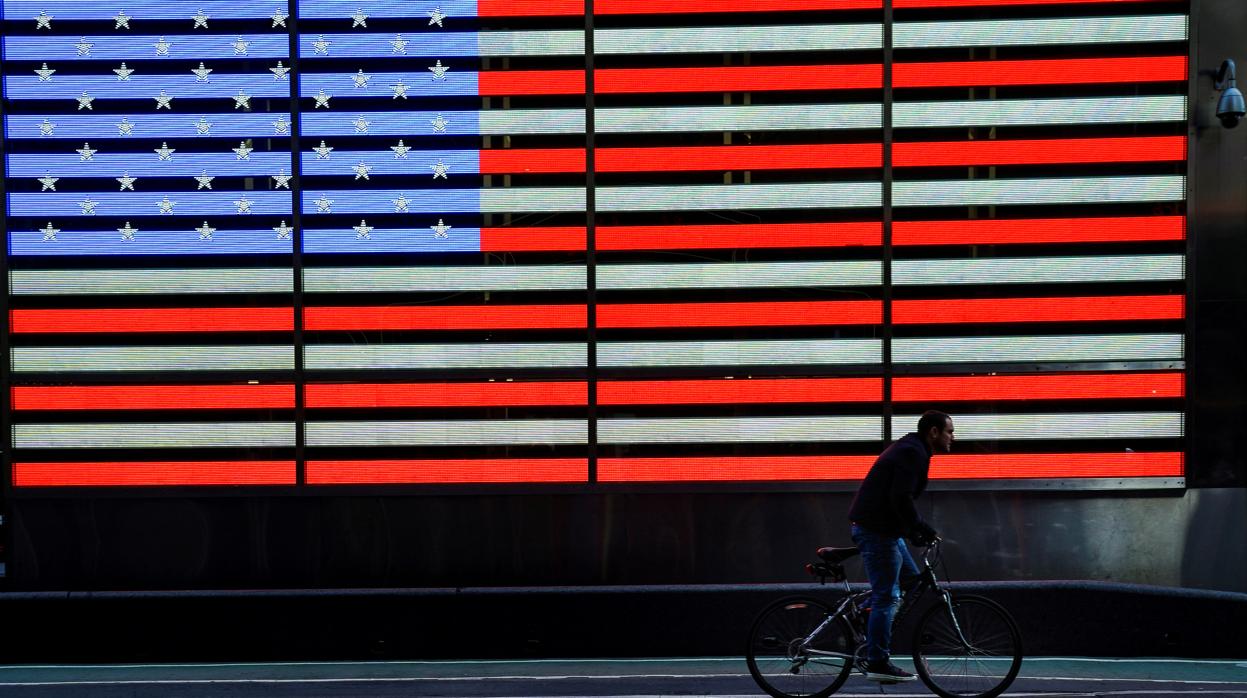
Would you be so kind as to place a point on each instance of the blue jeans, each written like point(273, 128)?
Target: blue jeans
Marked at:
point(887, 561)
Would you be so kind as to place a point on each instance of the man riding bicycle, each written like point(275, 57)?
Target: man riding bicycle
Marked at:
point(882, 516)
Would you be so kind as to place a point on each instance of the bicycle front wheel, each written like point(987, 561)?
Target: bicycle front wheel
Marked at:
point(788, 660)
point(971, 650)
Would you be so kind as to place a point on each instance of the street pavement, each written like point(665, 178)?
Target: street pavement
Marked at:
point(1041, 677)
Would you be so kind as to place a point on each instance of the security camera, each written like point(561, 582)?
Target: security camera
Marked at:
point(1230, 108)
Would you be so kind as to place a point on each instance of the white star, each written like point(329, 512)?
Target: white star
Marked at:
point(122, 20)
point(201, 19)
point(166, 206)
point(48, 181)
point(88, 206)
point(123, 73)
point(201, 73)
point(362, 170)
point(360, 79)
point(439, 70)
point(400, 150)
point(242, 151)
point(127, 233)
point(282, 180)
point(363, 231)
point(399, 44)
point(441, 230)
point(205, 181)
point(49, 233)
point(324, 205)
point(359, 19)
point(84, 101)
point(322, 100)
point(162, 47)
point(45, 73)
point(86, 152)
point(203, 127)
point(47, 128)
point(361, 124)
point(279, 18)
point(164, 152)
point(400, 204)
point(283, 231)
point(43, 21)
point(281, 72)
point(322, 151)
point(240, 46)
point(127, 182)
point(400, 89)
point(436, 17)
point(242, 100)
point(125, 128)
point(244, 204)
point(205, 231)
point(281, 126)
point(164, 100)
point(321, 45)
point(439, 124)
point(83, 46)
point(440, 170)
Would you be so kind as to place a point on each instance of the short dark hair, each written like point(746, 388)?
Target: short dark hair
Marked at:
point(932, 418)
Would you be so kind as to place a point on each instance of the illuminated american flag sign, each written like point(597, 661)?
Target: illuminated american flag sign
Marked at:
point(333, 242)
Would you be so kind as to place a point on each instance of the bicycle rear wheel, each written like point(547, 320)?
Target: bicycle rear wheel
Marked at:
point(783, 665)
point(982, 666)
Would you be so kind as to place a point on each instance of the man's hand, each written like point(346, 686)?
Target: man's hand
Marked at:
point(923, 534)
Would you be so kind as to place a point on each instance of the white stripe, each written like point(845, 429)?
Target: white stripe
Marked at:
point(734, 353)
point(65, 282)
point(809, 37)
point(742, 196)
point(1055, 190)
point(492, 278)
point(531, 43)
point(532, 199)
point(523, 121)
point(1076, 425)
point(1090, 347)
point(1035, 112)
point(415, 356)
point(760, 117)
point(448, 433)
point(740, 275)
point(1036, 270)
point(1073, 30)
point(163, 358)
point(740, 430)
point(174, 435)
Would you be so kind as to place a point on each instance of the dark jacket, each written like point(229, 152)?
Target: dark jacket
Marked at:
point(885, 501)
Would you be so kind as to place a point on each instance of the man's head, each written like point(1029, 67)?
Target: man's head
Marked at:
point(936, 429)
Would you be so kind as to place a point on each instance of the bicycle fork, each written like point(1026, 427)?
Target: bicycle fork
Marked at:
point(952, 614)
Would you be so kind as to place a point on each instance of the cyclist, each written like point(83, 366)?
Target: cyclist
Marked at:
point(882, 516)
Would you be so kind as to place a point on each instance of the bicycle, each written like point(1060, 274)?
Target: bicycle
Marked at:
point(964, 646)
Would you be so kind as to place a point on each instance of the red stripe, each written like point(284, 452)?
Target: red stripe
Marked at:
point(153, 397)
point(1039, 230)
point(548, 239)
point(740, 157)
point(1041, 152)
point(152, 320)
point(1068, 71)
point(519, 161)
point(529, 8)
point(738, 78)
point(909, 4)
point(719, 391)
point(153, 474)
point(1067, 386)
point(499, 83)
point(446, 394)
point(449, 471)
point(670, 7)
point(762, 314)
point(1072, 309)
point(1010, 466)
point(447, 317)
point(760, 235)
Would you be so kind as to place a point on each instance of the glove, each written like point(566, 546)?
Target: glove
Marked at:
point(923, 534)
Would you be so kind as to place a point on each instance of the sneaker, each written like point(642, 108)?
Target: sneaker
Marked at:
point(887, 672)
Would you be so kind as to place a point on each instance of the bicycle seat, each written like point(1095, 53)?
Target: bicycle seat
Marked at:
point(836, 555)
